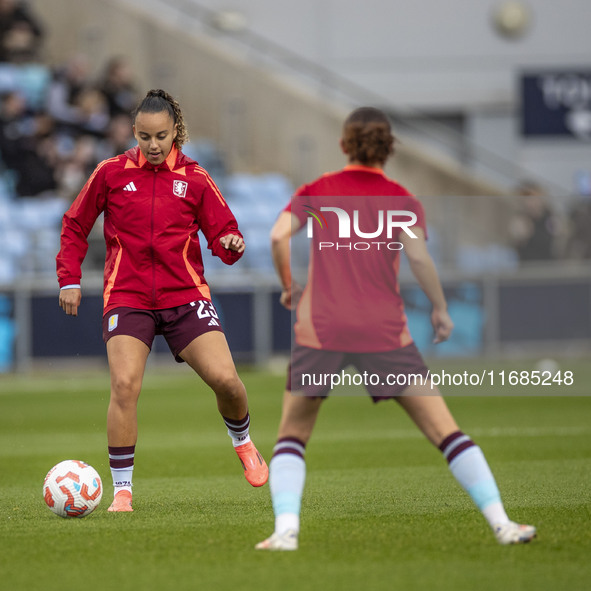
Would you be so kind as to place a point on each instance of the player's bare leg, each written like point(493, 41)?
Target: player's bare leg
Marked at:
point(429, 412)
point(127, 361)
point(467, 463)
point(209, 355)
point(298, 416)
point(288, 469)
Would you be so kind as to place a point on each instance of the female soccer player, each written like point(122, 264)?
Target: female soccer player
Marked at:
point(351, 312)
point(154, 200)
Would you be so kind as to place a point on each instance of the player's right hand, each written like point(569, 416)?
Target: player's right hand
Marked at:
point(290, 296)
point(69, 300)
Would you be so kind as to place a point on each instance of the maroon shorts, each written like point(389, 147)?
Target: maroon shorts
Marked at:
point(384, 374)
point(179, 326)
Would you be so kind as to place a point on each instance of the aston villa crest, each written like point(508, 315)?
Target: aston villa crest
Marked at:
point(179, 188)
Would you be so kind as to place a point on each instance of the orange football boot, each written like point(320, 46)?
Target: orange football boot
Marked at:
point(255, 467)
point(121, 503)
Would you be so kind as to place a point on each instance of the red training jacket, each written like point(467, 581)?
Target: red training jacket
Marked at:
point(151, 218)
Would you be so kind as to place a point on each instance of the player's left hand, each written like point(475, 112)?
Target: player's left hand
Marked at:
point(442, 325)
point(233, 242)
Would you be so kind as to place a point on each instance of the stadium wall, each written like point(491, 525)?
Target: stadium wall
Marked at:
point(535, 313)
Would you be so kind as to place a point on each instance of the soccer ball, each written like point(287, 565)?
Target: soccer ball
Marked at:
point(72, 489)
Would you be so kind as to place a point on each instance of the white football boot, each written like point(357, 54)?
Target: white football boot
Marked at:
point(514, 533)
point(285, 541)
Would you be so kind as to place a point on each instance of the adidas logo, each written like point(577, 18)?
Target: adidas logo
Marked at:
point(213, 322)
point(130, 187)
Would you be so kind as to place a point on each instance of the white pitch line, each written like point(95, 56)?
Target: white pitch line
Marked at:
point(476, 433)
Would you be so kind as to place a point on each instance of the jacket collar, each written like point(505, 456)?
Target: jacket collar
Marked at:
point(169, 162)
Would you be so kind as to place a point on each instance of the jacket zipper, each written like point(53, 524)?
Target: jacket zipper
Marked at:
point(153, 255)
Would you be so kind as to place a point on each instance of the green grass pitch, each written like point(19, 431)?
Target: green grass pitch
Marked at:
point(381, 510)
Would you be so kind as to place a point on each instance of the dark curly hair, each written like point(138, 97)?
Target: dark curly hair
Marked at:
point(367, 136)
point(159, 100)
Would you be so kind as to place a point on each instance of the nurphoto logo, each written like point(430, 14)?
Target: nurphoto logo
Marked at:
point(388, 221)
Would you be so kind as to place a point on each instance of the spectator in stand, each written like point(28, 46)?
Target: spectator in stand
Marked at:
point(579, 241)
point(74, 168)
point(94, 112)
point(24, 146)
point(118, 87)
point(534, 228)
point(88, 151)
point(74, 103)
point(118, 139)
point(20, 32)
point(81, 117)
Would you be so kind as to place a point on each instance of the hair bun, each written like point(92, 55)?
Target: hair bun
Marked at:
point(367, 136)
point(157, 92)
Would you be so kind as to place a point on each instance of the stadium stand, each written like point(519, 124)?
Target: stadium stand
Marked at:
point(64, 105)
